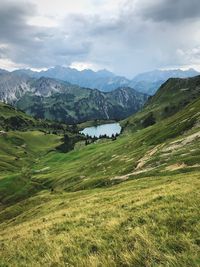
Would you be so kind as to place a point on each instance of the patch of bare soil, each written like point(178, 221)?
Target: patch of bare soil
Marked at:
point(125, 177)
point(182, 142)
point(176, 166)
point(147, 156)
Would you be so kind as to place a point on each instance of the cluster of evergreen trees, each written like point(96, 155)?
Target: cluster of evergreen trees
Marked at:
point(92, 139)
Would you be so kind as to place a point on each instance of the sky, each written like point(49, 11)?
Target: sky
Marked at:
point(124, 36)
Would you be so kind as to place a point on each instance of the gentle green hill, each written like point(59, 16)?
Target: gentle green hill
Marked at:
point(19, 151)
point(10, 118)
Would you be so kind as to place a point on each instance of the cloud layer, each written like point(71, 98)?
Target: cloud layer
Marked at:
point(126, 36)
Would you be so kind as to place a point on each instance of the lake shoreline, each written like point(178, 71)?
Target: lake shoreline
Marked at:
point(108, 130)
point(94, 123)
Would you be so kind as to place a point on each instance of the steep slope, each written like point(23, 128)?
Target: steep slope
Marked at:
point(129, 156)
point(13, 86)
point(149, 82)
point(94, 208)
point(172, 140)
point(171, 97)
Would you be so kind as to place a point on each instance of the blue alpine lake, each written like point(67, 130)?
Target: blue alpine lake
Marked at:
point(105, 129)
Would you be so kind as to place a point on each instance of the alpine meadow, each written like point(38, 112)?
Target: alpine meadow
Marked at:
point(99, 133)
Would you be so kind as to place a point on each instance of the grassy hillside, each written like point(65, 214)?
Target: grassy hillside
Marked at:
point(171, 97)
point(10, 118)
point(23, 141)
point(15, 119)
point(134, 155)
point(18, 152)
point(129, 202)
point(148, 222)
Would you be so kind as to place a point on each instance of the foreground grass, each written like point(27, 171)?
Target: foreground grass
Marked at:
point(144, 222)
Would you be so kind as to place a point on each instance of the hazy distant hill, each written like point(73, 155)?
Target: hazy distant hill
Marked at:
point(103, 80)
point(149, 82)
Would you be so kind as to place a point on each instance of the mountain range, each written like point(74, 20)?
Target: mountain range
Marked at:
point(68, 95)
point(106, 81)
point(102, 80)
point(57, 100)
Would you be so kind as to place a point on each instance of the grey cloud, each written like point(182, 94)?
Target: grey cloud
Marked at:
point(170, 10)
point(32, 45)
point(128, 42)
point(92, 24)
point(13, 21)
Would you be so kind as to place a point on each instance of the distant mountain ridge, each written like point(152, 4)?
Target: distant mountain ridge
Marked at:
point(106, 81)
point(102, 80)
point(149, 82)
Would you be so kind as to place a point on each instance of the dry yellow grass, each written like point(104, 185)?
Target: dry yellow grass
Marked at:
point(146, 222)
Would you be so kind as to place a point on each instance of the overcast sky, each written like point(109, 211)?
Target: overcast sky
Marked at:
point(124, 36)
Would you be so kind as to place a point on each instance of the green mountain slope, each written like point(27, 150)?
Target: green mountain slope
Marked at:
point(172, 97)
point(117, 203)
point(15, 119)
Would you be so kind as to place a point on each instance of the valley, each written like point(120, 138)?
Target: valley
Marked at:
point(99, 133)
point(123, 202)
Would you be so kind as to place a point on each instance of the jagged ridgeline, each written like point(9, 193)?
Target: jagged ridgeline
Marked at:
point(48, 98)
point(106, 81)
